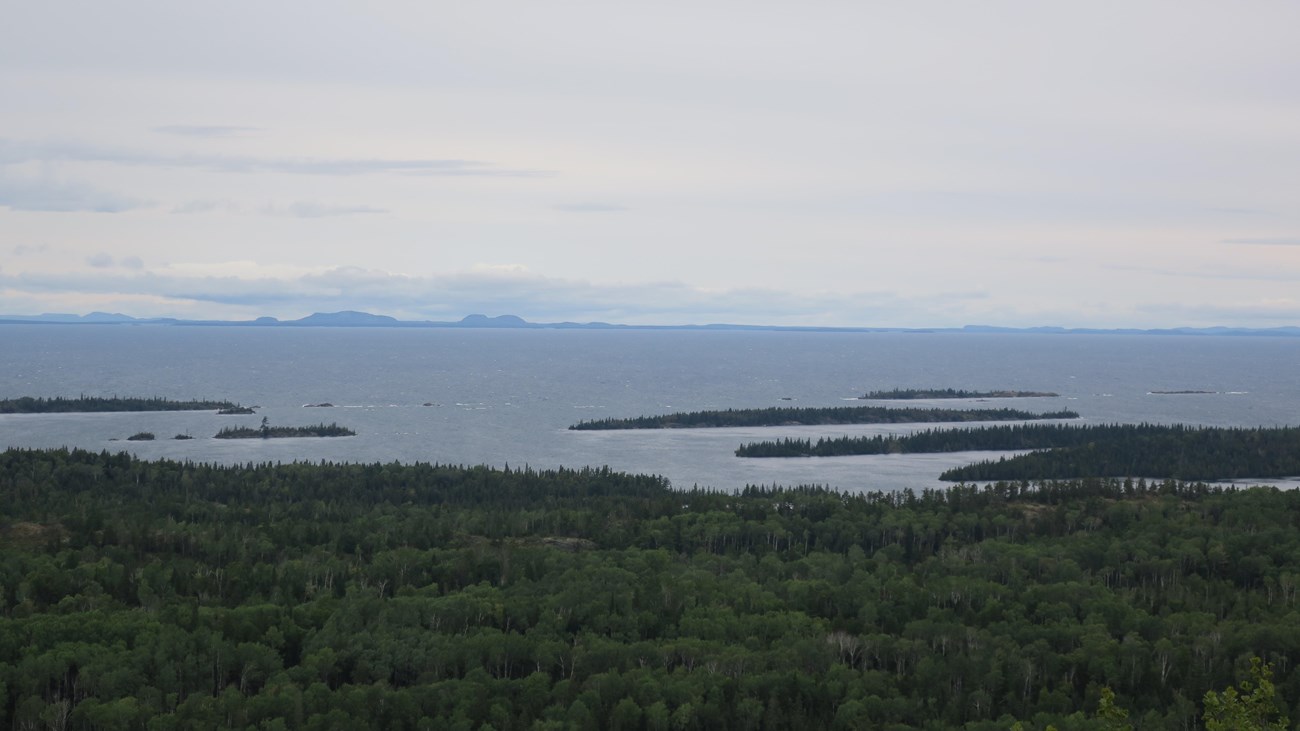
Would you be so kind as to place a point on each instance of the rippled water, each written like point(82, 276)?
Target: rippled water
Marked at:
point(507, 396)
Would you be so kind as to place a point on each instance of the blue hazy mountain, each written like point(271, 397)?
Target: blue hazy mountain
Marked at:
point(346, 318)
point(354, 318)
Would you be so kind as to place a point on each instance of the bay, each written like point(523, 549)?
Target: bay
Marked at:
point(506, 397)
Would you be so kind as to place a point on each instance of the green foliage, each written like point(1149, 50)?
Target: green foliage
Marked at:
point(784, 416)
point(162, 594)
point(1111, 716)
point(144, 436)
point(1252, 707)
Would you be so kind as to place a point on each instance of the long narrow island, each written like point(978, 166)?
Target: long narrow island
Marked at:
point(813, 416)
point(97, 404)
point(1002, 438)
point(1070, 452)
point(909, 394)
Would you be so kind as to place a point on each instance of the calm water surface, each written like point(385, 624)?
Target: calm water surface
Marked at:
point(507, 396)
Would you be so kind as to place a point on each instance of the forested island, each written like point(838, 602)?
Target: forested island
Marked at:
point(61, 405)
point(167, 595)
point(1112, 450)
point(907, 394)
point(266, 431)
point(1002, 437)
point(829, 416)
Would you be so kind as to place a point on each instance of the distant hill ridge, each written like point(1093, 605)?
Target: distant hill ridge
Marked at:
point(356, 318)
point(346, 317)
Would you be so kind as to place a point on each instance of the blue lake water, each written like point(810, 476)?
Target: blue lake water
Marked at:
point(507, 396)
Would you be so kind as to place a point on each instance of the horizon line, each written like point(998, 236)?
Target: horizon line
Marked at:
point(357, 318)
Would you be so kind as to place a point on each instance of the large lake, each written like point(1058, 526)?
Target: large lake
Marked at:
point(507, 396)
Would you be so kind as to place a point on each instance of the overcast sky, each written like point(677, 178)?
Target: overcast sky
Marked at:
point(821, 163)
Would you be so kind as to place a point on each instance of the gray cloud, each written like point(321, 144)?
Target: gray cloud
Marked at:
point(1264, 242)
point(590, 208)
point(298, 209)
point(1263, 312)
point(453, 296)
point(46, 195)
point(204, 130)
point(307, 209)
point(467, 168)
point(952, 160)
point(14, 151)
point(104, 260)
point(204, 207)
point(1241, 211)
point(545, 299)
point(1269, 275)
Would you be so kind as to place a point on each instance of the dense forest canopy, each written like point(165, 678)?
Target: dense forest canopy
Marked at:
point(789, 415)
point(166, 595)
point(59, 404)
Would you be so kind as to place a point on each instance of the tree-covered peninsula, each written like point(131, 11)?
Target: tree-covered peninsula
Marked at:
point(167, 595)
point(266, 431)
point(61, 405)
point(829, 416)
point(908, 394)
point(1149, 450)
point(1069, 451)
point(1002, 438)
